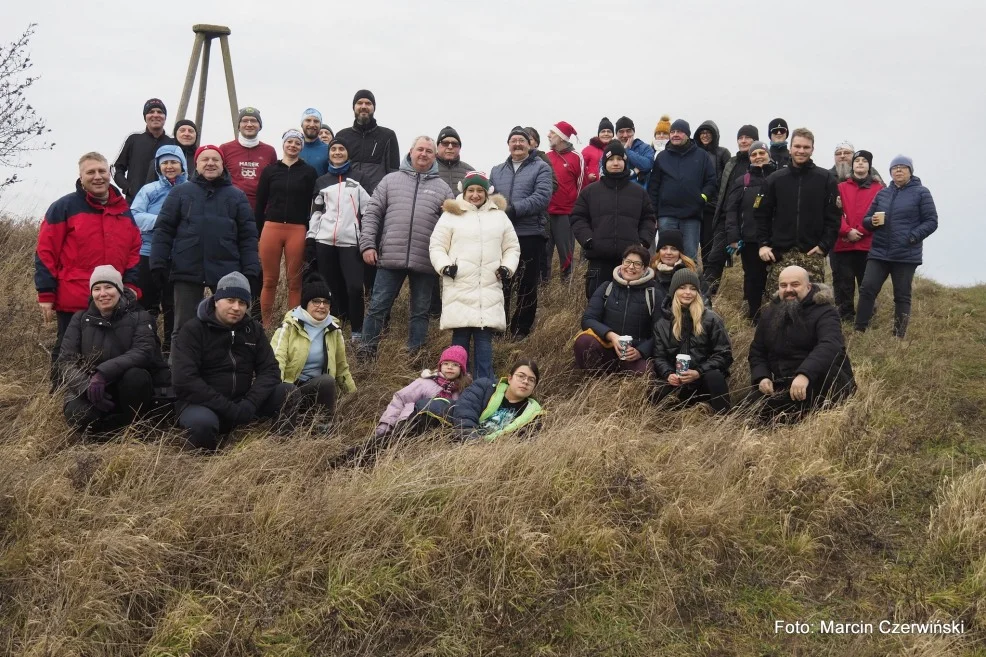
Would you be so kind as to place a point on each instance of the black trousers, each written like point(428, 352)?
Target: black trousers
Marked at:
point(157, 302)
point(780, 408)
point(901, 276)
point(712, 387)
point(317, 394)
point(525, 282)
point(600, 271)
point(62, 319)
point(342, 268)
point(203, 426)
point(848, 268)
point(754, 279)
point(131, 393)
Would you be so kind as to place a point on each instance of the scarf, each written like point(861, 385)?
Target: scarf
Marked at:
point(448, 387)
point(342, 170)
point(302, 315)
point(667, 268)
point(247, 143)
point(659, 145)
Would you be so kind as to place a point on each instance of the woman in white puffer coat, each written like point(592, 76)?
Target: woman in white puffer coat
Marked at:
point(474, 247)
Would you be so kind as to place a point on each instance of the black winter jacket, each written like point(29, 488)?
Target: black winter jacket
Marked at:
point(735, 169)
point(373, 150)
point(710, 351)
point(625, 311)
point(614, 214)
point(780, 155)
point(741, 204)
point(110, 346)
point(206, 230)
point(663, 280)
point(720, 155)
point(136, 157)
point(284, 193)
point(679, 179)
point(813, 347)
point(216, 365)
point(798, 210)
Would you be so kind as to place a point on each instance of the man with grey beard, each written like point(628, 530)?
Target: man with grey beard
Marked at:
point(798, 356)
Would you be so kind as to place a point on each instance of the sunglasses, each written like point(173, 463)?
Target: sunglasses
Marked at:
point(449, 144)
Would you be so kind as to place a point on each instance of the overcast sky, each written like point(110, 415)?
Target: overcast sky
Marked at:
point(890, 77)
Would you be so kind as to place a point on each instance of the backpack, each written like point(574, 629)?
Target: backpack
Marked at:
point(648, 297)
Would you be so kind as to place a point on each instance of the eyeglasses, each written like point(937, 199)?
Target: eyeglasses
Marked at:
point(319, 302)
point(633, 264)
point(843, 152)
point(448, 143)
point(523, 378)
point(899, 167)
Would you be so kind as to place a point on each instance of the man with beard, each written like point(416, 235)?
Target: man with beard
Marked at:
point(640, 154)
point(797, 218)
point(246, 156)
point(843, 165)
point(798, 356)
point(779, 154)
point(568, 168)
point(314, 151)
point(137, 154)
point(373, 149)
point(592, 154)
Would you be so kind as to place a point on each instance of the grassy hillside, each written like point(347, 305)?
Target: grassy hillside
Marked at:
point(623, 530)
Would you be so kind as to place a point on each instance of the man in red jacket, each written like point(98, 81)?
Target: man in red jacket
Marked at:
point(246, 156)
point(92, 226)
point(848, 257)
point(569, 169)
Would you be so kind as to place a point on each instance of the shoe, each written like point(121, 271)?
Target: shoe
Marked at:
point(356, 338)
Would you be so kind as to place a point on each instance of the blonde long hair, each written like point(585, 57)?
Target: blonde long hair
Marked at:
point(695, 309)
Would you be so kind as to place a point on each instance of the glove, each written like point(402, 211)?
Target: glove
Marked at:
point(160, 277)
point(588, 244)
point(731, 251)
point(511, 213)
point(450, 271)
point(243, 412)
point(310, 253)
point(502, 273)
point(97, 389)
point(254, 286)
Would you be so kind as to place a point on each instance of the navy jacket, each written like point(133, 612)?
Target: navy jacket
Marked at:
point(527, 190)
point(678, 180)
point(911, 218)
point(625, 311)
point(204, 231)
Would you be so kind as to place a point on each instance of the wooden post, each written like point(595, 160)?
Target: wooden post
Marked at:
point(203, 81)
point(201, 49)
point(234, 109)
point(193, 63)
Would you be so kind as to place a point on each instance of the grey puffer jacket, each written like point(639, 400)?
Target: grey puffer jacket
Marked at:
point(527, 190)
point(401, 216)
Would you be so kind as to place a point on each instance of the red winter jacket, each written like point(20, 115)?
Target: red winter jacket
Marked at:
point(593, 156)
point(856, 201)
point(569, 169)
point(78, 233)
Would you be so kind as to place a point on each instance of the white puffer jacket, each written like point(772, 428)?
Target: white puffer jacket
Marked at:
point(479, 241)
point(337, 211)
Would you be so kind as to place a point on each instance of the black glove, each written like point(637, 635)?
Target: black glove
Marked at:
point(160, 277)
point(243, 412)
point(511, 213)
point(254, 286)
point(310, 253)
point(588, 244)
point(502, 273)
point(450, 270)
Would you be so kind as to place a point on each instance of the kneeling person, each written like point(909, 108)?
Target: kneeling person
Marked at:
point(225, 372)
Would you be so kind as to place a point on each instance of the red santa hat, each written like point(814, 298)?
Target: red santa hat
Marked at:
point(564, 130)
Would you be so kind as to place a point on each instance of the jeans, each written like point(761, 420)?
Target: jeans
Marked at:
point(691, 232)
point(387, 285)
point(848, 268)
point(525, 282)
point(482, 339)
point(130, 393)
point(203, 426)
point(901, 276)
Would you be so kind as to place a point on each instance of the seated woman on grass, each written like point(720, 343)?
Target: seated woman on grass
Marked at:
point(489, 409)
point(685, 327)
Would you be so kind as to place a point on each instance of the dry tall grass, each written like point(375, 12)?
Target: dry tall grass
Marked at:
point(622, 530)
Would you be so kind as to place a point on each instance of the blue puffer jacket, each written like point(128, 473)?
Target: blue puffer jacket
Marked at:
point(147, 204)
point(641, 156)
point(679, 179)
point(204, 231)
point(527, 190)
point(911, 218)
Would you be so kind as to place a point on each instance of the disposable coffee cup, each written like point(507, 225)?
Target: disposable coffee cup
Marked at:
point(625, 342)
point(682, 363)
point(879, 218)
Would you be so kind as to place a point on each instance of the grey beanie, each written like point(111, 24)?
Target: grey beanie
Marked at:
point(233, 285)
point(250, 111)
point(759, 146)
point(106, 274)
point(682, 277)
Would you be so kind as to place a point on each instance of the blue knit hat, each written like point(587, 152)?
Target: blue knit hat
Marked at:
point(311, 111)
point(902, 160)
point(682, 125)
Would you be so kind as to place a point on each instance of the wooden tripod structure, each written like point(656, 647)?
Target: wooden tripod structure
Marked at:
point(201, 48)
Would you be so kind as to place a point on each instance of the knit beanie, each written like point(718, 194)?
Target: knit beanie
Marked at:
point(533, 133)
point(518, 131)
point(623, 123)
point(311, 111)
point(902, 160)
point(449, 131)
point(233, 285)
point(252, 112)
point(292, 133)
point(475, 178)
point(367, 94)
point(683, 276)
point(760, 146)
point(185, 122)
point(844, 145)
point(564, 130)
point(605, 124)
point(455, 354)
point(670, 237)
point(682, 125)
point(664, 125)
point(614, 149)
point(866, 155)
point(154, 103)
point(775, 124)
point(314, 287)
point(325, 126)
point(106, 274)
point(208, 147)
point(749, 131)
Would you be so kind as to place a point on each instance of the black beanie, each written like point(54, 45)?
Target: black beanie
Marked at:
point(518, 131)
point(449, 131)
point(624, 122)
point(866, 155)
point(750, 131)
point(533, 133)
point(682, 126)
point(777, 123)
point(178, 124)
point(614, 149)
point(154, 103)
point(314, 287)
point(365, 93)
point(671, 237)
point(605, 124)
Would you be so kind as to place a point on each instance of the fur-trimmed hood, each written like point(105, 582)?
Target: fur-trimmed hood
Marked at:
point(459, 206)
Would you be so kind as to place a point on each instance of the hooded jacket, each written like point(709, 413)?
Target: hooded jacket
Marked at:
point(291, 344)
point(130, 168)
point(641, 157)
point(453, 172)
point(911, 218)
point(720, 155)
point(613, 215)
point(478, 242)
point(568, 168)
point(592, 156)
point(403, 212)
point(624, 311)
point(204, 231)
point(780, 155)
point(403, 402)
point(337, 212)
point(77, 234)
point(813, 346)
point(710, 351)
point(742, 202)
point(480, 400)
point(736, 168)
point(798, 210)
point(147, 204)
point(215, 365)
point(857, 196)
point(527, 190)
point(110, 345)
point(681, 176)
point(373, 150)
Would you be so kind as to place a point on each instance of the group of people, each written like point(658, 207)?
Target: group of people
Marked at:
point(352, 219)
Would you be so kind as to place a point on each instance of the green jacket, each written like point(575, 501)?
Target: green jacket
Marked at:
point(291, 344)
point(479, 401)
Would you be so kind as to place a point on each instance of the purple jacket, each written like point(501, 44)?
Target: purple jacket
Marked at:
point(402, 404)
